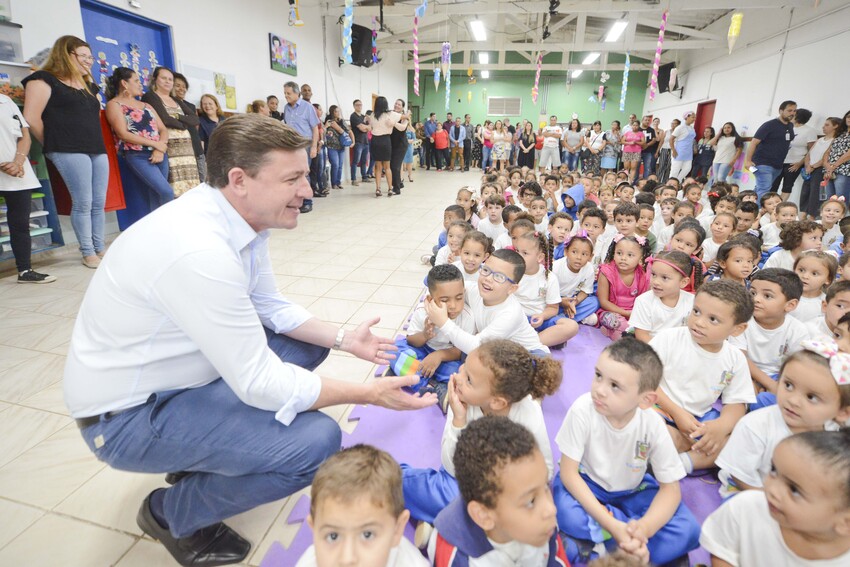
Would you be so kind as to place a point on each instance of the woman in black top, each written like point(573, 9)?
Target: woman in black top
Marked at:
point(334, 129)
point(211, 115)
point(527, 140)
point(64, 115)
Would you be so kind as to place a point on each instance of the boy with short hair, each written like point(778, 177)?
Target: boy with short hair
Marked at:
point(355, 492)
point(608, 439)
point(746, 216)
point(835, 305)
point(664, 215)
point(771, 335)
point(438, 358)
point(560, 226)
point(747, 196)
point(784, 213)
point(450, 214)
point(505, 514)
point(644, 224)
point(509, 215)
point(551, 183)
point(700, 367)
point(496, 312)
point(493, 226)
point(682, 209)
point(768, 203)
point(537, 210)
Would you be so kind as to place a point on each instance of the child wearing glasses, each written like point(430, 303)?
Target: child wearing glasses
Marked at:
point(497, 314)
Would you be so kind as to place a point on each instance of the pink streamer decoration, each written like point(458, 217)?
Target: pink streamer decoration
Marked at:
point(416, 54)
point(653, 81)
point(534, 89)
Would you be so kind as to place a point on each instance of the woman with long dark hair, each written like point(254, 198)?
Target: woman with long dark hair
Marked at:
point(573, 142)
point(810, 200)
point(704, 153)
point(334, 129)
point(527, 140)
point(398, 142)
point(728, 146)
point(64, 116)
point(594, 142)
point(383, 121)
point(836, 163)
point(662, 169)
point(477, 147)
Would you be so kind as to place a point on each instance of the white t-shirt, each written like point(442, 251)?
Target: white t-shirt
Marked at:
point(440, 341)
point(818, 329)
point(511, 554)
point(603, 243)
point(767, 349)
point(780, 259)
point(743, 533)
point(502, 241)
point(831, 236)
point(536, 291)
point(725, 150)
point(442, 255)
point(749, 450)
point(818, 149)
point(694, 378)
point(525, 412)
point(709, 250)
point(803, 136)
point(11, 122)
point(571, 283)
point(404, 554)
point(616, 459)
point(770, 236)
point(491, 230)
point(543, 226)
point(809, 308)
point(650, 313)
point(503, 321)
point(551, 142)
point(472, 278)
point(664, 238)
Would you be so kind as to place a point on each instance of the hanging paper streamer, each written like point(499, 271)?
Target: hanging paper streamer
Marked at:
point(374, 40)
point(653, 81)
point(625, 83)
point(348, 19)
point(735, 29)
point(469, 96)
point(436, 78)
point(534, 90)
point(419, 13)
point(601, 92)
point(445, 65)
point(448, 89)
point(674, 74)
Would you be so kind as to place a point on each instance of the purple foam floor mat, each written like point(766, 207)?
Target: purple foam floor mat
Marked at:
point(414, 438)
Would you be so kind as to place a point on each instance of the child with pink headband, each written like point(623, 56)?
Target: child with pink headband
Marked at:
point(666, 304)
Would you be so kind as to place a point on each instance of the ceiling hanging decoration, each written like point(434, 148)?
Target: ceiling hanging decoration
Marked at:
point(445, 63)
point(436, 79)
point(625, 83)
point(734, 30)
point(374, 40)
point(348, 19)
point(534, 89)
point(417, 14)
point(653, 81)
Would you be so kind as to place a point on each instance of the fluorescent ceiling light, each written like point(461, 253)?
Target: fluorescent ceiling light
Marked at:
point(616, 31)
point(590, 59)
point(485, 74)
point(577, 73)
point(478, 31)
point(483, 58)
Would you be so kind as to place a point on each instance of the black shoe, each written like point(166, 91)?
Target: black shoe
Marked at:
point(319, 194)
point(31, 276)
point(306, 208)
point(214, 545)
point(173, 478)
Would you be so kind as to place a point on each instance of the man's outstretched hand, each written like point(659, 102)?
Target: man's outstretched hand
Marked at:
point(362, 343)
point(387, 392)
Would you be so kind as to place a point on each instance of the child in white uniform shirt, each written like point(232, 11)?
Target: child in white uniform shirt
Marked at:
point(785, 212)
point(700, 367)
point(492, 225)
point(454, 237)
point(537, 210)
point(576, 274)
point(810, 397)
point(501, 378)
point(608, 439)
point(835, 305)
point(474, 251)
point(831, 211)
point(721, 229)
point(497, 313)
point(539, 293)
point(666, 305)
point(357, 509)
point(816, 270)
point(683, 209)
point(504, 515)
point(801, 518)
point(795, 237)
point(771, 335)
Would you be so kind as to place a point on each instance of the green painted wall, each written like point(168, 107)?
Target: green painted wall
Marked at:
point(562, 100)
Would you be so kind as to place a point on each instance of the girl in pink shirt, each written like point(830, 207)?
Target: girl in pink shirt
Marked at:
point(632, 148)
point(621, 279)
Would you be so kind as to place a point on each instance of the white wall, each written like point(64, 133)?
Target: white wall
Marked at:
point(232, 37)
point(750, 83)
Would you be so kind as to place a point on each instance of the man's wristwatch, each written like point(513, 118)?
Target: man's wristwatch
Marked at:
point(338, 342)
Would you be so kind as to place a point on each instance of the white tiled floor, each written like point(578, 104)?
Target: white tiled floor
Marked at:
point(354, 258)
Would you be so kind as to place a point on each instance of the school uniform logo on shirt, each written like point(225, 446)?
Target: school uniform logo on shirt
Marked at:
point(541, 291)
point(640, 457)
point(725, 379)
point(783, 350)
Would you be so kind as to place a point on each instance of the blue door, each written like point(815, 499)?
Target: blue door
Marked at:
point(119, 38)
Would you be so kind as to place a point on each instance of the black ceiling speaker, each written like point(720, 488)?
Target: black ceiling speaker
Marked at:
point(361, 46)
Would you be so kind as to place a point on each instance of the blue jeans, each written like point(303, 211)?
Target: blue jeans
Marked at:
point(485, 157)
point(86, 176)
point(571, 159)
point(719, 172)
point(361, 158)
point(839, 186)
point(336, 158)
point(153, 177)
point(764, 178)
point(240, 456)
point(648, 160)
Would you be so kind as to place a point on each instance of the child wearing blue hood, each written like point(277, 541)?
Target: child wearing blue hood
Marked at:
point(572, 198)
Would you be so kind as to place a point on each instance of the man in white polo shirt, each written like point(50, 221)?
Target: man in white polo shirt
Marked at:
point(185, 358)
point(550, 155)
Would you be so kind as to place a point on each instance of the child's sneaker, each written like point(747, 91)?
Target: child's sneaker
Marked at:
point(31, 276)
point(442, 391)
point(425, 259)
point(591, 320)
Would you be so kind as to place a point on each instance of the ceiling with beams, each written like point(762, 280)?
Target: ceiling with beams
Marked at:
point(577, 27)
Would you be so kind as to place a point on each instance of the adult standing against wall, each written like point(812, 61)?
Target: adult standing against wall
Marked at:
point(301, 115)
point(317, 162)
point(273, 104)
point(223, 391)
point(192, 121)
point(17, 181)
point(457, 134)
point(769, 146)
point(550, 155)
point(664, 159)
point(477, 147)
point(649, 148)
point(513, 149)
point(467, 141)
point(810, 200)
point(335, 128)
point(487, 146)
point(398, 142)
point(704, 153)
point(594, 143)
point(501, 146)
point(182, 165)
point(573, 142)
point(611, 152)
point(682, 146)
point(804, 138)
point(527, 140)
point(383, 122)
point(430, 152)
point(728, 146)
point(836, 165)
point(211, 115)
point(64, 116)
point(360, 155)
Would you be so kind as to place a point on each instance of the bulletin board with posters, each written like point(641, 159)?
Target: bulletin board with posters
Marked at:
point(208, 81)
